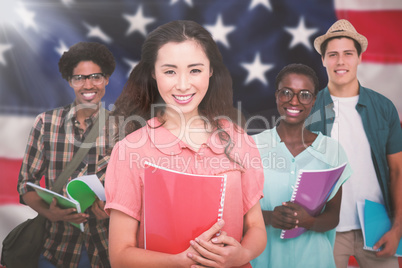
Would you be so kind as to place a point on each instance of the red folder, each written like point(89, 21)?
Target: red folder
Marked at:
point(178, 207)
point(312, 190)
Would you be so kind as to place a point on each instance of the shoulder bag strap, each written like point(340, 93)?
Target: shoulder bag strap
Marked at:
point(82, 152)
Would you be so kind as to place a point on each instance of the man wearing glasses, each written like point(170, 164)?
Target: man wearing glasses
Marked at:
point(54, 139)
point(367, 126)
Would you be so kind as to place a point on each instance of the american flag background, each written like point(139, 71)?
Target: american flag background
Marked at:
point(257, 38)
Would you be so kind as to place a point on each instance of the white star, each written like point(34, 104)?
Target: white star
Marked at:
point(67, 2)
point(96, 31)
point(8, 12)
point(4, 48)
point(130, 63)
point(138, 22)
point(219, 31)
point(301, 34)
point(27, 17)
point(61, 48)
point(188, 2)
point(265, 3)
point(256, 70)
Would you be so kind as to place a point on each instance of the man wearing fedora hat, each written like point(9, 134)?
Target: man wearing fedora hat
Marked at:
point(368, 127)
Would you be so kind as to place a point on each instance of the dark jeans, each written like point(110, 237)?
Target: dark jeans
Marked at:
point(84, 261)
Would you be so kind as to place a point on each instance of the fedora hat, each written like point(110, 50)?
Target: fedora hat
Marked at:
point(341, 28)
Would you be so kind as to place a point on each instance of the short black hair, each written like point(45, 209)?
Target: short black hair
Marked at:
point(298, 68)
point(86, 51)
point(324, 44)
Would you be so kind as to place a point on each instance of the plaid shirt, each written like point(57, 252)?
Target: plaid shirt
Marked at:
point(53, 141)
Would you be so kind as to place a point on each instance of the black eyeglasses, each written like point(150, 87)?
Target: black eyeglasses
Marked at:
point(79, 79)
point(286, 95)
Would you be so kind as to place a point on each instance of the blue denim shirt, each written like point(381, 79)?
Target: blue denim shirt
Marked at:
point(381, 124)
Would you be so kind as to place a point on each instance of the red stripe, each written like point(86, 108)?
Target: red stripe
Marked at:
point(382, 29)
point(8, 180)
point(10, 169)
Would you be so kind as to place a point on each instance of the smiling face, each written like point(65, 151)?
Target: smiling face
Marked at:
point(293, 112)
point(182, 72)
point(341, 61)
point(88, 93)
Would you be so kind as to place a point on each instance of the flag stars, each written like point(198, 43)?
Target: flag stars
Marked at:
point(219, 31)
point(96, 31)
point(4, 48)
point(301, 34)
point(61, 48)
point(265, 3)
point(67, 2)
point(27, 17)
point(130, 63)
point(8, 12)
point(256, 70)
point(188, 2)
point(138, 22)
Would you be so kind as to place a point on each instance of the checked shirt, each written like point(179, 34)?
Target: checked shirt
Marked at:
point(54, 139)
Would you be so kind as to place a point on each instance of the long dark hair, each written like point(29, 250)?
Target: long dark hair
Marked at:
point(141, 91)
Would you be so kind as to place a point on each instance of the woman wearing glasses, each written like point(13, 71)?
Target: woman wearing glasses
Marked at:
point(285, 150)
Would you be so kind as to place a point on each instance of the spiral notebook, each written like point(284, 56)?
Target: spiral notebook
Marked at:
point(311, 191)
point(178, 207)
point(374, 222)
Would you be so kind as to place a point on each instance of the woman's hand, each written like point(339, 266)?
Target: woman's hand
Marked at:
point(302, 218)
point(289, 216)
point(283, 217)
point(225, 251)
point(220, 251)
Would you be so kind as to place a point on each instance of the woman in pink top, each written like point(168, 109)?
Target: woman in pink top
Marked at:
point(176, 111)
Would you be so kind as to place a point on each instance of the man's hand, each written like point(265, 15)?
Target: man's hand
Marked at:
point(55, 213)
point(387, 244)
point(98, 209)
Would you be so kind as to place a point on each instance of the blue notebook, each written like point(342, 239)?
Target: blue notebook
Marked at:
point(375, 223)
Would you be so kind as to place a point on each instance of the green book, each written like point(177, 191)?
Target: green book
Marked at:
point(81, 191)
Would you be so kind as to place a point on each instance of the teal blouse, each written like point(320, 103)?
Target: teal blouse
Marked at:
point(311, 249)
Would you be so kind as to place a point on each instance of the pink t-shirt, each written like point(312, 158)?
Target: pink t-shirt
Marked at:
point(124, 175)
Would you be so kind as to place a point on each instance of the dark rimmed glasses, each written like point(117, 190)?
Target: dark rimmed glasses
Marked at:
point(286, 95)
point(79, 79)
